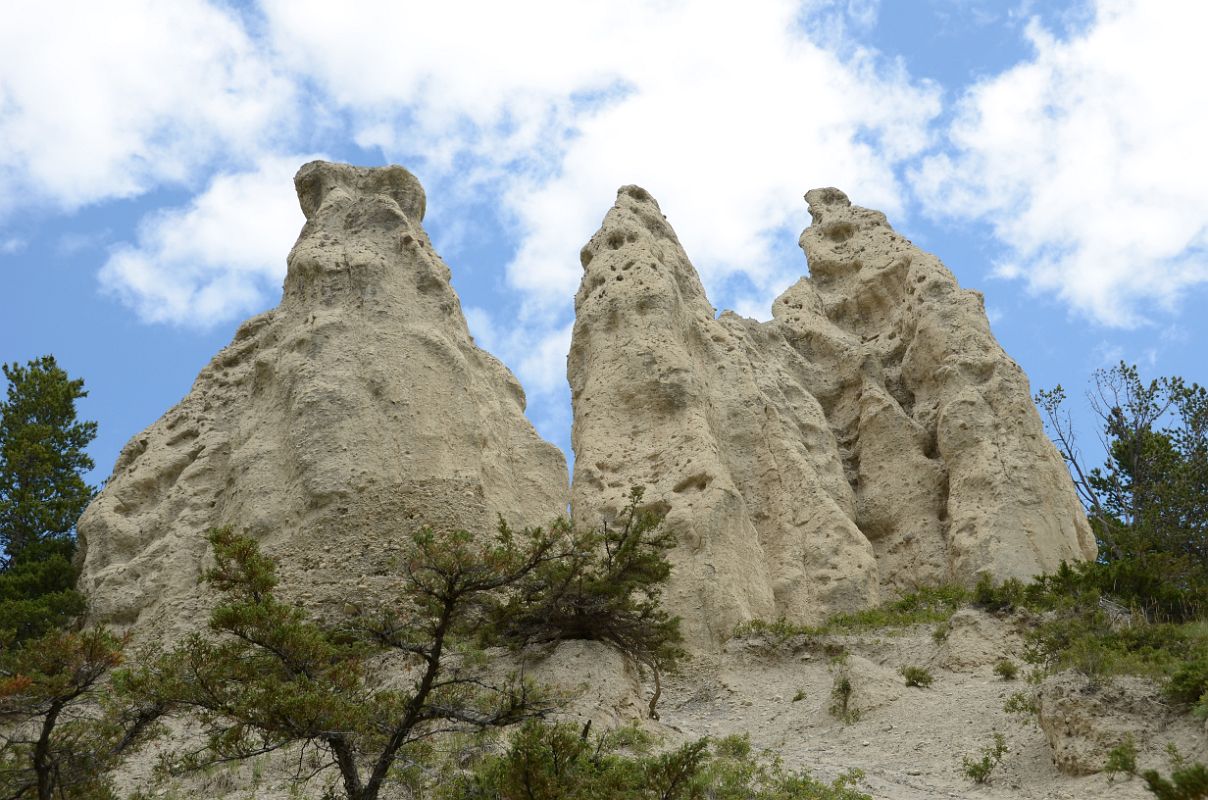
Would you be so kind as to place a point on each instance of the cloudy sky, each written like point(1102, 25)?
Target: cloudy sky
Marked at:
point(1052, 153)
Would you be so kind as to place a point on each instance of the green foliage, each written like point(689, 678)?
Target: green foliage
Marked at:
point(1189, 680)
point(1185, 783)
point(558, 762)
point(917, 676)
point(1122, 759)
point(1086, 638)
point(41, 456)
point(777, 633)
point(922, 606)
point(41, 496)
point(1148, 502)
point(274, 677)
point(1021, 703)
point(927, 605)
point(1005, 596)
point(606, 588)
point(980, 769)
point(36, 594)
point(1006, 669)
point(58, 737)
point(843, 691)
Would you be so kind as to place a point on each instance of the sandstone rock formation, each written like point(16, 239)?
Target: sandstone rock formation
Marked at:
point(328, 429)
point(873, 436)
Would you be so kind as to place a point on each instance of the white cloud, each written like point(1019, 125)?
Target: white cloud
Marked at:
point(727, 117)
point(1089, 161)
point(220, 256)
point(104, 100)
point(12, 245)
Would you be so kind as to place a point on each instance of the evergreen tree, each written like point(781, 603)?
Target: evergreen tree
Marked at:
point(42, 494)
point(277, 676)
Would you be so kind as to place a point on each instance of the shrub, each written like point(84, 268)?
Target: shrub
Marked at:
point(979, 770)
point(1122, 758)
point(1006, 669)
point(777, 633)
point(843, 692)
point(559, 762)
point(1147, 502)
point(1005, 596)
point(1189, 682)
point(935, 604)
point(1184, 783)
point(917, 676)
point(1021, 703)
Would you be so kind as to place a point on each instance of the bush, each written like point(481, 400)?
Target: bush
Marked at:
point(777, 633)
point(1006, 669)
point(1189, 682)
point(1005, 596)
point(843, 692)
point(60, 733)
point(979, 770)
point(917, 676)
point(1021, 703)
point(559, 762)
point(1122, 758)
point(1184, 783)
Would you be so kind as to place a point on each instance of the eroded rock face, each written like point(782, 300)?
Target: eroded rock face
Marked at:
point(330, 427)
point(872, 437)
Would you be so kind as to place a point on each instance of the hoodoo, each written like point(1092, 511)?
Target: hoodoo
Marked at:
point(872, 437)
point(328, 429)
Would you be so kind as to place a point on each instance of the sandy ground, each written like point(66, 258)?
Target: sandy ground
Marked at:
point(908, 741)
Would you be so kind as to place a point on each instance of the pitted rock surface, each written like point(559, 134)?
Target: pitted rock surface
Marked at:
point(872, 437)
point(329, 428)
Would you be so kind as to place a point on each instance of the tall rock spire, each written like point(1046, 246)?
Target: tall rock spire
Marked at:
point(872, 437)
point(329, 428)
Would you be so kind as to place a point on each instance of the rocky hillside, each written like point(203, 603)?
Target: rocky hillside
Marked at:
point(870, 439)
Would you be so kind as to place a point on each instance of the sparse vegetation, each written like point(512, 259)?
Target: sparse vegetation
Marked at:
point(927, 605)
point(917, 676)
point(979, 770)
point(1122, 759)
point(843, 692)
point(1021, 703)
point(1006, 669)
point(1186, 782)
point(559, 762)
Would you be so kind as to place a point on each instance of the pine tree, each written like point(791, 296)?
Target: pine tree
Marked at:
point(42, 494)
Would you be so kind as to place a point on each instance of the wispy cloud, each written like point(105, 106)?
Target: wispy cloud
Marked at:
point(1088, 161)
point(548, 107)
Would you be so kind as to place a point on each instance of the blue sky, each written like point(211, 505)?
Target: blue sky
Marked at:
point(1051, 153)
